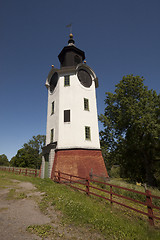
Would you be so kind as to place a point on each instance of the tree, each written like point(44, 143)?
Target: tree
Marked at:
point(31, 154)
point(4, 160)
point(37, 142)
point(132, 129)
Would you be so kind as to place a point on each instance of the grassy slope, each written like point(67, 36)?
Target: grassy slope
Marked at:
point(79, 209)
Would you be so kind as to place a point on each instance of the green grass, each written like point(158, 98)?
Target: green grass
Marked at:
point(79, 209)
point(4, 182)
point(41, 230)
point(15, 195)
point(142, 198)
point(45, 230)
point(3, 209)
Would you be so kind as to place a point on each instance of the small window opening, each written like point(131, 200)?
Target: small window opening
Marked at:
point(66, 115)
point(52, 109)
point(87, 133)
point(52, 135)
point(86, 104)
point(66, 80)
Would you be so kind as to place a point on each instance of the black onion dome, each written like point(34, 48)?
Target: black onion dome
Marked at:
point(71, 40)
point(71, 55)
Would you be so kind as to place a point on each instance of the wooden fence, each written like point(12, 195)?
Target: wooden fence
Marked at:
point(23, 171)
point(88, 184)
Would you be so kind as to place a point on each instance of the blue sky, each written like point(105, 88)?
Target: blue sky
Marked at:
point(119, 37)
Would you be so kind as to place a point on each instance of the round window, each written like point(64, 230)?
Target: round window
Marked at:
point(84, 78)
point(53, 81)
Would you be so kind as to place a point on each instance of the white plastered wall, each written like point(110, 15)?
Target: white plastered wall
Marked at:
point(42, 167)
point(72, 135)
point(53, 119)
point(51, 160)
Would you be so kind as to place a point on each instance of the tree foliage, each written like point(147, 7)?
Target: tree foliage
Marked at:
point(131, 135)
point(30, 154)
point(4, 160)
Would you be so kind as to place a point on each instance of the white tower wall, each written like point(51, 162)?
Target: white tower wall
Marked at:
point(52, 119)
point(72, 134)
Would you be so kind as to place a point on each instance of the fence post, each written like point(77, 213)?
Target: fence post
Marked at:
point(13, 170)
point(26, 172)
point(111, 195)
point(70, 179)
point(149, 207)
point(20, 171)
point(87, 186)
point(59, 176)
point(36, 173)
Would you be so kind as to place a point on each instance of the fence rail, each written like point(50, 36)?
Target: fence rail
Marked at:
point(23, 171)
point(89, 184)
point(112, 196)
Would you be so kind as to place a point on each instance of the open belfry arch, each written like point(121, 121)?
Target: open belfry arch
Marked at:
point(72, 135)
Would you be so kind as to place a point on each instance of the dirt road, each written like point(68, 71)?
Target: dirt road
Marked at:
point(19, 210)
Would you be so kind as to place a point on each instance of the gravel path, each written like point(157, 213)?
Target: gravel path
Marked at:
point(17, 214)
point(19, 209)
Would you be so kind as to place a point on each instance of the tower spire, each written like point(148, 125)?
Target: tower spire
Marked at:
point(71, 40)
point(71, 55)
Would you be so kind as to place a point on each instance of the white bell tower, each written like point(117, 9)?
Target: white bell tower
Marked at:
point(72, 135)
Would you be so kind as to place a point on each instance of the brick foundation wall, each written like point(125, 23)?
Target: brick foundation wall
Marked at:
point(79, 162)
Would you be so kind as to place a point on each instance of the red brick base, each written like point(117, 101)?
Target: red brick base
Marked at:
point(79, 162)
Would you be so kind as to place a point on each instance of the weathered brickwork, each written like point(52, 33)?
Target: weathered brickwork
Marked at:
point(79, 162)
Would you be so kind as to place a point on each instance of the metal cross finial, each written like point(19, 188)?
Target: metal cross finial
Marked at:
point(69, 26)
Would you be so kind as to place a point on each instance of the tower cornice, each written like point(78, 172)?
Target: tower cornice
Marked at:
point(71, 71)
point(62, 71)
